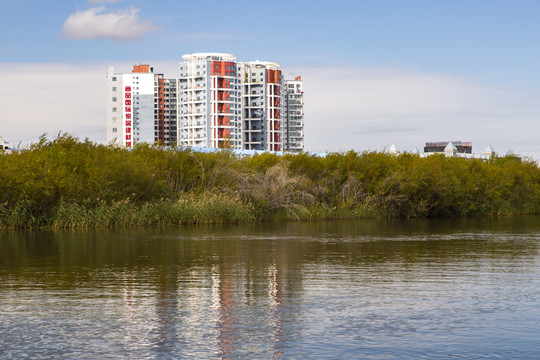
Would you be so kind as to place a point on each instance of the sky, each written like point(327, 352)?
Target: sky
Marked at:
point(376, 72)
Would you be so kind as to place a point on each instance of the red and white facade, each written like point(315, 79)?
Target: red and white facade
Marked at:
point(262, 84)
point(216, 102)
point(209, 101)
point(141, 107)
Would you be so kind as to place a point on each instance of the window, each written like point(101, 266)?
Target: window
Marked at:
point(114, 78)
point(114, 130)
point(114, 99)
point(114, 88)
point(114, 109)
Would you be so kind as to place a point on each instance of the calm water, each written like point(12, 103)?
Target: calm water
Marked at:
point(433, 289)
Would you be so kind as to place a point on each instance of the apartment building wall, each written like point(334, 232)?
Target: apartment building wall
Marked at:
point(170, 123)
point(294, 105)
point(262, 101)
point(136, 107)
point(115, 120)
point(209, 101)
point(440, 146)
point(142, 86)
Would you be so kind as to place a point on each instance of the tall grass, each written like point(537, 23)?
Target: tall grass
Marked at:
point(68, 183)
point(191, 210)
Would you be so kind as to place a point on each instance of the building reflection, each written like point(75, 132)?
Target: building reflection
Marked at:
point(275, 297)
point(167, 310)
point(250, 307)
point(224, 303)
point(228, 308)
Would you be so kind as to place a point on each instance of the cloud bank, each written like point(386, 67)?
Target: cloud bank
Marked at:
point(52, 98)
point(361, 108)
point(95, 23)
point(373, 108)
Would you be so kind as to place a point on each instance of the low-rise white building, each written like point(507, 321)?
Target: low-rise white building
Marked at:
point(449, 149)
point(4, 146)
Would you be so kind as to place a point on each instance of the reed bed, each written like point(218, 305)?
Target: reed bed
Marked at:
point(66, 183)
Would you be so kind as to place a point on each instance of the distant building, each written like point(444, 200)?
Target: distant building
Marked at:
point(460, 147)
point(262, 105)
point(209, 101)
point(216, 102)
point(141, 107)
point(489, 152)
point(224, 103)
point(393, 150)
point(294, 115)
point(4, 146)
point(450, 149)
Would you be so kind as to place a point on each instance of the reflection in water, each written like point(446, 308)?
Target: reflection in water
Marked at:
point(168, 310)
point(225, 319)
point(370, 289)
point(130, 336)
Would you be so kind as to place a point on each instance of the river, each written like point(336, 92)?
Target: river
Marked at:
point(368, 289)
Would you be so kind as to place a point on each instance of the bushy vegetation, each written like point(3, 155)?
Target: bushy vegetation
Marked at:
point(68, 183)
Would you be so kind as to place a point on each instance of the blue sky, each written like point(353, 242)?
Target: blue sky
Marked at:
point(411, 71)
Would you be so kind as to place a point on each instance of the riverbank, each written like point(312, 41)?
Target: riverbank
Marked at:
point(68, 183)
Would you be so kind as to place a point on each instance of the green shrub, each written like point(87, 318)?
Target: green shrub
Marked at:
point(68, 183)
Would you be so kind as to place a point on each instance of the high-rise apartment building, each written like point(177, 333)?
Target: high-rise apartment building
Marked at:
point(216, 102)
point(209, 101)
point(294, 105)
point(141, 107)
point(168, 127)
point(262, 105)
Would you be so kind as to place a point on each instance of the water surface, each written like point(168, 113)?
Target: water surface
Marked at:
point(403, 289)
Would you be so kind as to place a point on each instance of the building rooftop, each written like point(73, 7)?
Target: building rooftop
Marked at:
point(209, 56)
point(266, 64)
point(450, 147)
point(393, 149)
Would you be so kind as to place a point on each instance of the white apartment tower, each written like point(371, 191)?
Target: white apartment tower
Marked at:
point(141, 107)
point(294, 105)
point(262, 106)
point(209, 101)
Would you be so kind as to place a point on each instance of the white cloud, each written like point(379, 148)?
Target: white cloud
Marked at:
point(123, 25)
